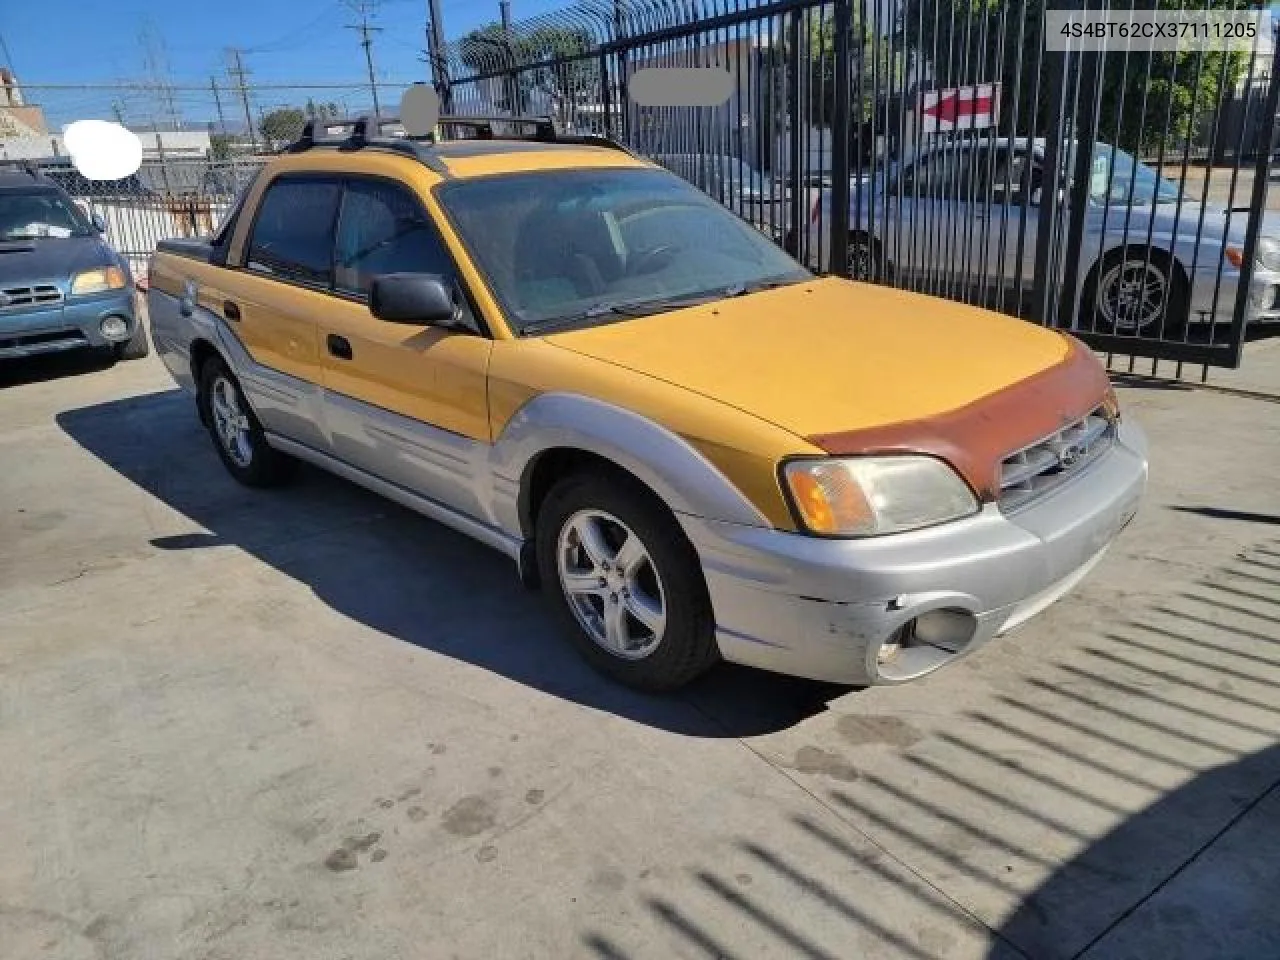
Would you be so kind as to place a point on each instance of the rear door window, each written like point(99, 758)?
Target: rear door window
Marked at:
point(293, 232)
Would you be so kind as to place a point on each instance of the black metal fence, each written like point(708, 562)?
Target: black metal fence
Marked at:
point(184, 197)
point(939, 146)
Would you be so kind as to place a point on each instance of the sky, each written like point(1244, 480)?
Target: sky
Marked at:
point(285, 42)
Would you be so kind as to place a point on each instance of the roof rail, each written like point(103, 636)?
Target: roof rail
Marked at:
point(544, 127)
point(367, 133)
point(29, 167)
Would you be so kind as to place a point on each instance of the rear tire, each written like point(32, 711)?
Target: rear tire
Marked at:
point(136, 347)
point(625, 581)
point(237, 435)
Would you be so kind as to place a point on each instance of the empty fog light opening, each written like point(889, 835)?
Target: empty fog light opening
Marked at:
point(923, 644)
point(115, 328)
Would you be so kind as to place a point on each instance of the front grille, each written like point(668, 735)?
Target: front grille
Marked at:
point(1033, 471)
point(39, 295)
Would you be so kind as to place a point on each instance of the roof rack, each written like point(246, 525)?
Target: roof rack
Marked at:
point(370, 133)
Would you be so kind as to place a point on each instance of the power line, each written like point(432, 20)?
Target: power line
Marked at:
point(143, 86)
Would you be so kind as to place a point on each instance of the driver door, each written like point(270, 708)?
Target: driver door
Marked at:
point(402, 401)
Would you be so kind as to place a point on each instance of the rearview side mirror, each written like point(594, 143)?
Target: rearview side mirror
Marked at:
point(420, 298)
point(98, 223)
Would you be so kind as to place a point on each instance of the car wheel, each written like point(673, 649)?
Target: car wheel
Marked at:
point(625, 581)
point(237, 434)
point(1135, 293)
point(136, 347)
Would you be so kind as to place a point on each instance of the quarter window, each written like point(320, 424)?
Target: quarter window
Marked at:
point(383, 229)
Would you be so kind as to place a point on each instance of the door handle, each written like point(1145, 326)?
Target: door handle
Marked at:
point(231, 310)
point(340, 347)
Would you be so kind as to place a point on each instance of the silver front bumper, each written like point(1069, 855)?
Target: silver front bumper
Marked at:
point(822, 608)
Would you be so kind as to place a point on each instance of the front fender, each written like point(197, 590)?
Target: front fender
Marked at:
point(670, 466)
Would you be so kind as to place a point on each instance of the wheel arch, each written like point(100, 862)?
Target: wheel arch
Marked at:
point(556, 432)
point(553, 464)
point(201, 351)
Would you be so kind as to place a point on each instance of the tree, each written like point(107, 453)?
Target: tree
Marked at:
point(961, 41)
point(324, 112)
point(220, 147)
point(282, 125)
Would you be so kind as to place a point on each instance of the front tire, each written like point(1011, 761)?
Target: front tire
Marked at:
point(1135, 292)
point(237, 435)
point(625, 582)
point(136, 347)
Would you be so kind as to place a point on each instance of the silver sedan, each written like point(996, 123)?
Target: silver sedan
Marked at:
point(961, 217)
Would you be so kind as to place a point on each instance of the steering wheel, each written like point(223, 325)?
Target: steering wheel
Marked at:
point(651, 259)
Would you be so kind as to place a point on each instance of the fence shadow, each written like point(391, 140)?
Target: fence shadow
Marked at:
point(54, 366)
point(1081, 809)
point(404, 575)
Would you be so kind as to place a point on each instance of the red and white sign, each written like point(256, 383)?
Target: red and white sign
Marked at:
point(960, 108)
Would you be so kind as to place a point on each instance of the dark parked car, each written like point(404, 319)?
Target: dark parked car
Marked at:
point(62, 287)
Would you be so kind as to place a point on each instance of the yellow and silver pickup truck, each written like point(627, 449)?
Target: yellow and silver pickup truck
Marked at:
point(697, 448)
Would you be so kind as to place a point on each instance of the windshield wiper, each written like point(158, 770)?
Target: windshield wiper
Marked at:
point(743, 289)
point(623, 308)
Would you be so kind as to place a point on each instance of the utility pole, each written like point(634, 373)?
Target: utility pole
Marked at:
point(436, 54)
point(238, 72)
point(365, 30)
point(217, 100)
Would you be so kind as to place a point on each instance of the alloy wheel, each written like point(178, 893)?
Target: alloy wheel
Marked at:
point(1132, 296)
point(612, 584)
point(230, 422)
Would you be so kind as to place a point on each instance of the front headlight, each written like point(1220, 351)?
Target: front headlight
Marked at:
point(872, 496)
point(97, 280)
point(1269, 253)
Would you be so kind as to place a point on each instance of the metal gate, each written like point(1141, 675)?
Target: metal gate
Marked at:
point(1118, 194)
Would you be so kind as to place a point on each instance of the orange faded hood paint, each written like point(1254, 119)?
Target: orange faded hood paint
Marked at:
point(829, 355)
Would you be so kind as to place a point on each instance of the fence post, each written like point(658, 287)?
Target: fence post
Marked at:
point(843, 24)
point(1091, 66)
point(1057, 75)
point(1257, 206)
point(796, 159)
point(605, 100)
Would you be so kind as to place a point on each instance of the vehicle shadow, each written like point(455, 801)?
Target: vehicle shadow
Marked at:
point(1113, 799)
point(404, 575)
point(53, 366)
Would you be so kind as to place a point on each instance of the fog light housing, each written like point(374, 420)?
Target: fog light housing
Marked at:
point(1263, 296)
point(114, 328)
point(892, 648)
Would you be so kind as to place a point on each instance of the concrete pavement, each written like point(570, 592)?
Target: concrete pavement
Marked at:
point(306, 723)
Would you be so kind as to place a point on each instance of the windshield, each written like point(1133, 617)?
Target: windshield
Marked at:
point(1115, 173)
point(578, 244)
point(39, 214)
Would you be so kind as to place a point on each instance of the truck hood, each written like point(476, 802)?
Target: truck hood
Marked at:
point(829, 355)
point(50, 259)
